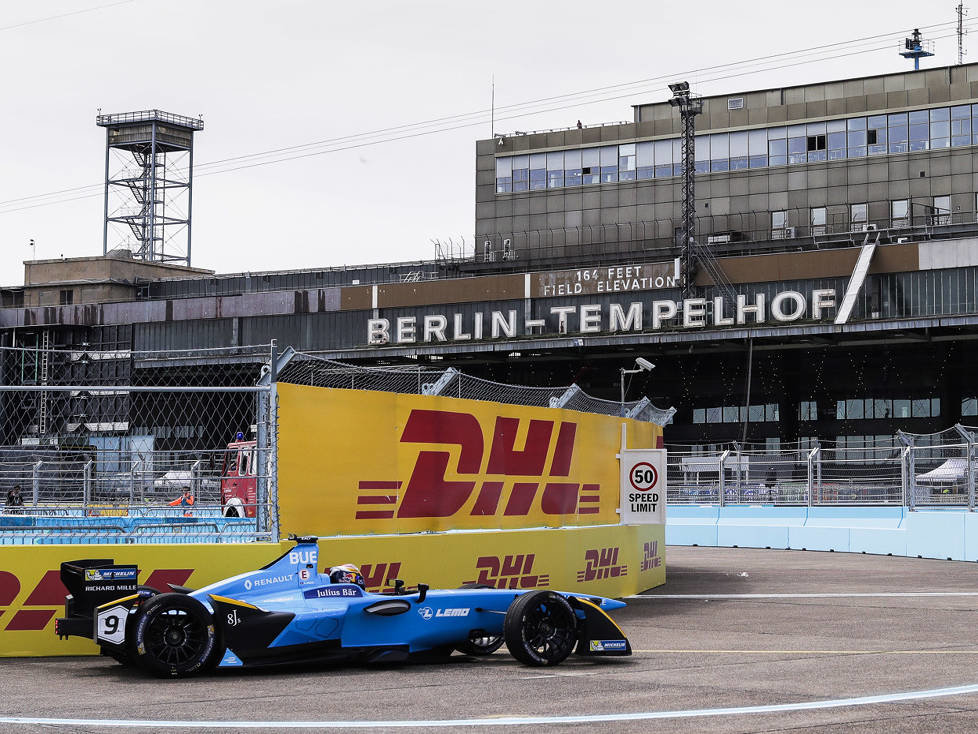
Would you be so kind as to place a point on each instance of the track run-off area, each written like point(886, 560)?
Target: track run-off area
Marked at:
point(737, 640)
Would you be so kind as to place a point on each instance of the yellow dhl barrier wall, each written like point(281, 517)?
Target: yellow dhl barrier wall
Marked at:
point(353, 462)
point(610, 561)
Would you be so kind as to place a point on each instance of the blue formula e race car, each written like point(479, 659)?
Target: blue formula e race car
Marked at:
point(289, 613)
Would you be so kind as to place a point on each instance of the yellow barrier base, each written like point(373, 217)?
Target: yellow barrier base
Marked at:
point(612, 560)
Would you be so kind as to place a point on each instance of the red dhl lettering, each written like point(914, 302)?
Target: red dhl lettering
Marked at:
point(601, 563)
point(509, 572)
point(650, 556)
point(429, 493)
point(49, 594)
point(377, 577)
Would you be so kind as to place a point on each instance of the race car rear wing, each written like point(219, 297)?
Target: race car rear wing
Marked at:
point(91, 583)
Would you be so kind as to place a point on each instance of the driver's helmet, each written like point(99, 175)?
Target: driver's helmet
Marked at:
point(346, 574)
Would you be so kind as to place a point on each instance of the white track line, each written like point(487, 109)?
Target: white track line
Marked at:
point(502, 721)
point(866, 595)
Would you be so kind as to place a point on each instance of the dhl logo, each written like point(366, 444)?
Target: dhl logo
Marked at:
point(378, 576)
point(47, 598)
point(650, 556)
point(601, 563)
point(509, 572)
point(429, 492)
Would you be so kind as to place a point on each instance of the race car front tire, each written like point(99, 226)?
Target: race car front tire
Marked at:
point(540, 628)
point(174, 636)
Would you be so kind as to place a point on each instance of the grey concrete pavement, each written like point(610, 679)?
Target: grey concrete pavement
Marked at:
point(690, 654)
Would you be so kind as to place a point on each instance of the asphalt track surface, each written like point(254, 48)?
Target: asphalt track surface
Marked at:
point(827, 642)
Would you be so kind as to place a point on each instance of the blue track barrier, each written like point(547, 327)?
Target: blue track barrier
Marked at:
point(931, 533)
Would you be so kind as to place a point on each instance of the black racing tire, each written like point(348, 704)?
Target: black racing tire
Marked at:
point(540, 628)
point(173, 635)
point(481, 645)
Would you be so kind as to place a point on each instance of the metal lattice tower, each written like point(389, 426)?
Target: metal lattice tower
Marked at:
point(149, 159)
point(689, 106)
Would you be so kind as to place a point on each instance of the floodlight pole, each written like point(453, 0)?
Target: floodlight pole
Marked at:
point(689, 107)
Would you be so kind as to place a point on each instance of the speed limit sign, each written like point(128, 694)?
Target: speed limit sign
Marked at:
point(643, 486)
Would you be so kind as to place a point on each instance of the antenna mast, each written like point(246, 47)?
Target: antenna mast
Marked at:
point(962, 11)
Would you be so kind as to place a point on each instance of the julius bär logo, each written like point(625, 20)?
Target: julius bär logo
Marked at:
point(601, 563)
point(429, 493)
point(650, 556)
point(47, 598)
point(509, 572)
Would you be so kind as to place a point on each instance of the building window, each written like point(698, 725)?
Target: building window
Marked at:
point(538, 171)
point(876, 135)
point(808, 410)
point(644, 160)
point(818, 221)
point(720, 152)
point(591, 165)
point(797, 144)
point(555, 170)
point(940, 127)
point(777, 145)
point(857, 137)
point(969, 406)
point(919, 130)
point(626, 162)
point(609, 164)
point(961, 125)
point(897, 134)
point(739, 151)
point(66, 297)
point(779, 222)
point(942, 210)
point(900, 213)
point(521, 173)
point(857, 215)
point(572, 168)
point(504, 175)
point(816, 142)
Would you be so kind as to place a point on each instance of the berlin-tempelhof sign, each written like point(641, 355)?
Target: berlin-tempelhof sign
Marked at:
point(634, 316)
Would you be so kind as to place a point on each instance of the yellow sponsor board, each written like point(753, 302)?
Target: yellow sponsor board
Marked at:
point(360, 462)
point(610, 561)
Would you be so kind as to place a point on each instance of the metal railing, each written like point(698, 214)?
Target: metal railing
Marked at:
point(912, 470)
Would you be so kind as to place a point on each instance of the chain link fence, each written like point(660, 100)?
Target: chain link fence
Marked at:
point(913, 470)
point(308, 369)
point(109, 446)
point(124, 446)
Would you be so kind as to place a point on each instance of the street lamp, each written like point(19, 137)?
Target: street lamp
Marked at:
point(643, 366)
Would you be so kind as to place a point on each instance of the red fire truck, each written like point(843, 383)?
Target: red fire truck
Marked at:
point(239, 478)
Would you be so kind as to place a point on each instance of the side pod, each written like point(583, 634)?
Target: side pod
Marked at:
point(598, 634)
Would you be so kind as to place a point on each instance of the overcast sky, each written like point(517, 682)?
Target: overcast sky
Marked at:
point(290, 72)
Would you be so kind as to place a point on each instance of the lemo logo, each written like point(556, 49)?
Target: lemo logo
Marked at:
point(429, 492)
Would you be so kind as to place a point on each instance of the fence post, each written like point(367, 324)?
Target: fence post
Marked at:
point(87, 485)
point(740, 483)
point(722, 485)
point(818, 469)
point(137, 465)
point(811, 475)
point(908, 471)
point(36, 481)
point(970, 470)
point(195, 479)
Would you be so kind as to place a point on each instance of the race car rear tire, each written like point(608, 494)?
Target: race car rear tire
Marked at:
point(174, 636)
point(124, 655)
point(540, 628)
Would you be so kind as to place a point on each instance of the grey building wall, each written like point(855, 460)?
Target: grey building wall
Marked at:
point(604, 220)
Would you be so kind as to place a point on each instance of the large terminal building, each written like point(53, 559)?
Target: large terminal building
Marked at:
point(834, 294)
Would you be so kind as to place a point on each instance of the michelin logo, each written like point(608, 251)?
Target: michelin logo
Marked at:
point(606, 645)
point(110, 574)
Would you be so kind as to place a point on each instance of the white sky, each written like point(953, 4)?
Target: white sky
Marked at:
point(274, 74)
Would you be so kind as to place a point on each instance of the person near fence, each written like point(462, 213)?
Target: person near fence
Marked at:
point(186, 501)
point(14, 498)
